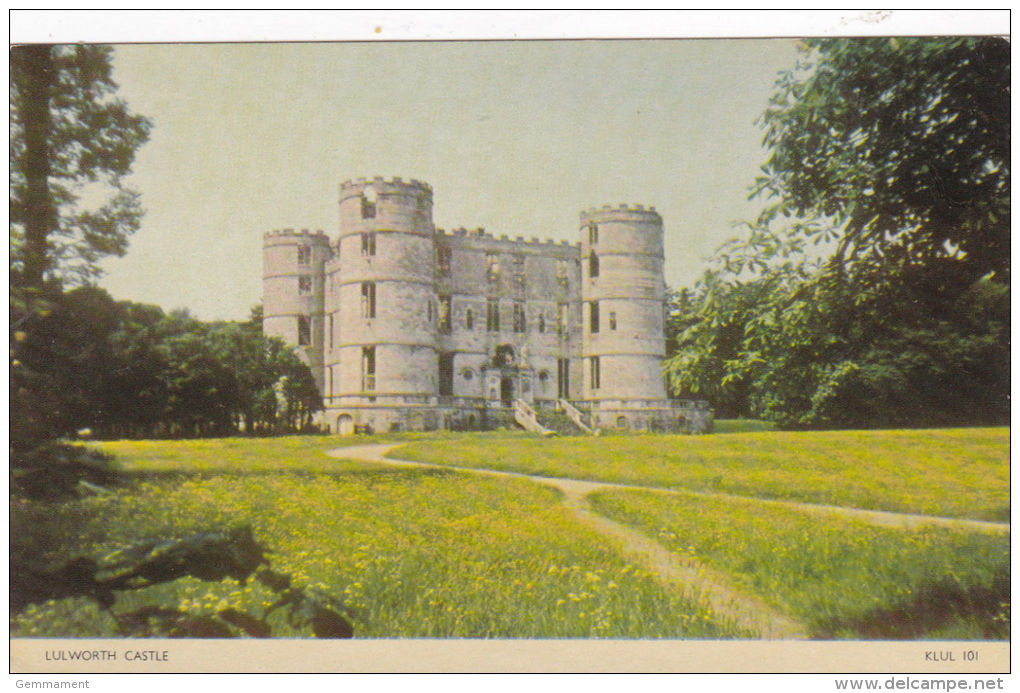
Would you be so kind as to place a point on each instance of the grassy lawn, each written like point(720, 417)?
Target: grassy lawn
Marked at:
point(246, 455)
point(952, 472)
point(842, 579)
point(741, 426)
point(411, 553)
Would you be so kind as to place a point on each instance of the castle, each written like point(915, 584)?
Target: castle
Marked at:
point(409, 327)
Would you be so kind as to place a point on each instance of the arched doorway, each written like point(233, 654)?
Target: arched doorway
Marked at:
point(345, 425)
point(506, 390)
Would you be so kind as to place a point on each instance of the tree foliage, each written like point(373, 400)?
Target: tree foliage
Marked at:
point(891, 157)
point(124, 369)
point(903, 144)
point(72, 143)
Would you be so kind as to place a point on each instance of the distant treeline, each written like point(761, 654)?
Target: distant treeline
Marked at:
point(81, 360)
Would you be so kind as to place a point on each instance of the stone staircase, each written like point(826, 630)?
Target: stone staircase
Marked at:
point(575, 415)
point(526, 418)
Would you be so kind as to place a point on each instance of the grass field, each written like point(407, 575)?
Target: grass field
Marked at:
point(951, 472)
point(839, 577)
point(413, 554)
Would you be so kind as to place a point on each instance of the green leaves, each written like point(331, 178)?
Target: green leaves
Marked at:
point(852, 299)
point(69, 132)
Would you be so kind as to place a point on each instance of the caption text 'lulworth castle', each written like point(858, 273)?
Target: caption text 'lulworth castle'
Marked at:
point(408, 327)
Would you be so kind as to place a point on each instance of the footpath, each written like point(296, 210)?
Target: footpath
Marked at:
point(684, 573)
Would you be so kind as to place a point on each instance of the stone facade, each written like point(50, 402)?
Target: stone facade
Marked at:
point(410, 327)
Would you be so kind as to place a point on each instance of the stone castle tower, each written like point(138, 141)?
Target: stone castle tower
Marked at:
point(410, 327)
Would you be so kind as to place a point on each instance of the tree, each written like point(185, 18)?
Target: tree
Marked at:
point(72, 142)
point(904, 144)
point(893, 155)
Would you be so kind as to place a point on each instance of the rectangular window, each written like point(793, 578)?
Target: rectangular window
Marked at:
point(304, 330)
point(518, 262)
point(491, 266)
point(469, 319)
point(593, 264)
point(492, 315)
point(563, 378)
point(593, 233)
point(445, 307)
point(519, 321)
point(368, 243)
point(329, 381)
point(367, 208)
point(368, 368)
point(593, 317)
point(561, 272)
point(443, 257)
point(541, 321)
point(304, 284)
point(563, 319)
point(304, 255)
point(368, 299)
point(445, 375)
point(612, 319)
point(330, 331)
point(596, 376)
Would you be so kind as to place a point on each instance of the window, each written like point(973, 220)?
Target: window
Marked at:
point(612, 319)
point(518, 262)
point(368, 368)
point(368, 203)
point(561, 272)
point(593, 233)
point(562, 378)
point(593, 264)
point(304, 255)
point(593, 317)
point(368, 243)
point(443, 256)
point(445, 309)
point(492, 315)
point(331, 331)
point(563, 319)
point(491, 266)
point(329, 381)
point(519, 321)
point(595, 374)
point(368, 299)
point(304, 284)
point(428, 313)
point(445, 375)
point(304, 330)
point(469, 319)
point(541, 321)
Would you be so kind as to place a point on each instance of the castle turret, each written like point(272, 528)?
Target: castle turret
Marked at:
point(383, 360)
point(622, 294)
point(293, 290)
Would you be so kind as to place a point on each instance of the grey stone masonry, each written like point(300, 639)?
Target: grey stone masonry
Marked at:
point(410, 327)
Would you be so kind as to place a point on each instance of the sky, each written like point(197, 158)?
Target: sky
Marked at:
point(516, 136)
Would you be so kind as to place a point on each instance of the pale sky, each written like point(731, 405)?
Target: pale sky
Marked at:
point(516, 137)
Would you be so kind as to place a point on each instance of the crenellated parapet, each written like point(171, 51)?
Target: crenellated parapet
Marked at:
point(385, 186)
point(623, 211)
point(292, 236)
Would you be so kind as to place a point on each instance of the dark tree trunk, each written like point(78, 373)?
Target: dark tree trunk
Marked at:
point(34, 80)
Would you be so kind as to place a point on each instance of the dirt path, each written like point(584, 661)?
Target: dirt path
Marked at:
point(377, 453)
point(744, 610)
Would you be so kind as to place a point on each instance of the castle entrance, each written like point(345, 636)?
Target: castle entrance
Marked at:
point(506, 391)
